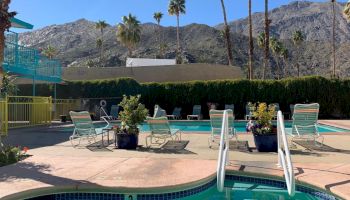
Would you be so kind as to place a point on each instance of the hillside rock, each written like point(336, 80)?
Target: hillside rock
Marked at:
point(76, 41)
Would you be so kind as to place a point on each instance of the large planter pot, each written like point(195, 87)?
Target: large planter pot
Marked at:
point(266, 142)
point(127, 141)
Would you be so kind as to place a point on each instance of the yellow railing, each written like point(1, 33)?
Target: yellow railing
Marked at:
point(63, 106)
point(25, 111)
point(3, 116)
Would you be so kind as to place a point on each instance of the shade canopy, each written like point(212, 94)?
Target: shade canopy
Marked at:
point(16, 23)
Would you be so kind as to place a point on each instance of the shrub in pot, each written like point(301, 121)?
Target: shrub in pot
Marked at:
point(132, 115)
point(265, 134)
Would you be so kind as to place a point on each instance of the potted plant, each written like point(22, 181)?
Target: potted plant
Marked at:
point(265, 134)
point(133, 114)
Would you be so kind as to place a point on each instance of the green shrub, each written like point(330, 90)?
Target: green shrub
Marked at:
point(332, 94)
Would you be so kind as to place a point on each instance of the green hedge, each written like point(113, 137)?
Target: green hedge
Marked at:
point(333, 95)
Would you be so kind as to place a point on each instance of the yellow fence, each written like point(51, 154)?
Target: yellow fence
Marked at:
point(24, 111)
point(27, 111)
point(63, 106)
point(3, 116)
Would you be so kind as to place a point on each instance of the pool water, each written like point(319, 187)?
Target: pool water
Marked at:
point(250, 191)
point(236, 188)
point(204, 126)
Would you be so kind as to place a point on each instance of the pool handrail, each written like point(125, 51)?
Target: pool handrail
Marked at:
point(284, 158)
point(223, 158)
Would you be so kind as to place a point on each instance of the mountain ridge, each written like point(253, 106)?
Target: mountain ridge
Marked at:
point(76, 41)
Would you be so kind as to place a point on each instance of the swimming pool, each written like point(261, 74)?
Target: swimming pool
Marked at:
point(236, 187)
point(204, 126)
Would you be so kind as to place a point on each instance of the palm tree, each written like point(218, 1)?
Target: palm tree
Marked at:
point(5, 24)
point(251, 41)
point(261, 42)
point(129, 32)
point(298, 38)
point(101, 25)
point(267, 37)
point(227, 35)
point(177, 7)
point(346, 11)
point(158, 16)
point(333, 36)
point(276, 46)
point(49, 52)
point(284, 54)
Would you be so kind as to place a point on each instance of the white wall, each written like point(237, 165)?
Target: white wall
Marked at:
point(137, 62)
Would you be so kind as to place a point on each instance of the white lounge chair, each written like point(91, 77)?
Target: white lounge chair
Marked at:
point(304, 125)
point(216, 118)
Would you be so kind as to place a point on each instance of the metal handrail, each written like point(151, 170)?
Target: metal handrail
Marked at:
point(223, 158)
point(284, 159)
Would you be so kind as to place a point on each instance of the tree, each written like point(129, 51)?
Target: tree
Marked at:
point(49, 52)
point(298, 39)
point(227, 35)
point(129, 32)
point(101, 25)
point(276, 47)
point(251, 41)
point(261, 44)
point(267, 37)
point(333, 37)
point(177, 7)
point(346, 11)
point(158, 16)
point(5, 24)
point(284, 54)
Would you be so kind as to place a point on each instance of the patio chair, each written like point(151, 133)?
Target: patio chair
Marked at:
point(114, 113)
point(84, 128)
point(196, 113)
point(230, 107)
point(176, 113)
point(161, 131)
point(248, 112)
point(216, 118)
point(159, 112)
point(304, 124)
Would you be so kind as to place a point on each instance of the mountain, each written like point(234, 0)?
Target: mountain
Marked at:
point(76, 41)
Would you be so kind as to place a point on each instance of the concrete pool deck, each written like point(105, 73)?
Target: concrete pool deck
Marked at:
point(54, 164)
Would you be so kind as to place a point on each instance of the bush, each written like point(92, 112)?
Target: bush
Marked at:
point(10, 155)
point(332, 94)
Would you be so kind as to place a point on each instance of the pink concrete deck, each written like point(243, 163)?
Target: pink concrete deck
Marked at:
point(61, 167)
point(345, 124)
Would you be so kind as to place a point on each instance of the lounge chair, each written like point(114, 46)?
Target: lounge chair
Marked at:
point(159, 112)
point(161, 131)
point(196, 113)
point(84, 128)
point(114, 112)
point(304, 125)
point(248, 112)
point(176, 113)
point(230, 107)
point(216, 118)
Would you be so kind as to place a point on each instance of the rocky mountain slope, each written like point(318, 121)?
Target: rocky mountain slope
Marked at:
point(76, 41)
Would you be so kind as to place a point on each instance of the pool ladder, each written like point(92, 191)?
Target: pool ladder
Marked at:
point(284, 158)
point(223, 158)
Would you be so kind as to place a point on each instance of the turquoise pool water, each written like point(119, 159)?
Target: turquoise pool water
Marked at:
point(204, 126)
point(236, 188)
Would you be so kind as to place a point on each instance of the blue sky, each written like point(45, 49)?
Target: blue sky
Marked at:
point(42, 13)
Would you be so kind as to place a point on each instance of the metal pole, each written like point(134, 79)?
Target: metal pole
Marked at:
point(34, 87)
